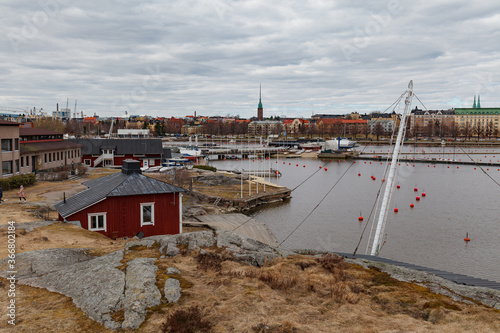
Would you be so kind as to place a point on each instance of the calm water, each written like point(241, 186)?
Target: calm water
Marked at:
point(459, 200)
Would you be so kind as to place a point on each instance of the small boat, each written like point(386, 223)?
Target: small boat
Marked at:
point(311, 145)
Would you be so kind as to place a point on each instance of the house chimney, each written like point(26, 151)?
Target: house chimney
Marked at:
point(131, 166)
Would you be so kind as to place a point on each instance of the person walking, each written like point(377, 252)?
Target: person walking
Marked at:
point(21, 194)
point(1, 195)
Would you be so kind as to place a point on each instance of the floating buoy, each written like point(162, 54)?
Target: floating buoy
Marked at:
point(360, 218)
point(467, 239)
point(374, 178)
point(417, 198)
point(296, 165)
point(396, 210)
point(383, 180)
point(320, 166)
point(304, 166)
point(359, 174)
point(326, 169)
point(412, 205)
point(423, 194)
point(398, 186)
point(415, 189)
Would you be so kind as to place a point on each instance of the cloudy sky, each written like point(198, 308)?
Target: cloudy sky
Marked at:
point(172, 57)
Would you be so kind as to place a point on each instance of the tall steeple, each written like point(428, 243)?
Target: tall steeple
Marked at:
point(474, 105)
point(260, 109)
point(478, 101)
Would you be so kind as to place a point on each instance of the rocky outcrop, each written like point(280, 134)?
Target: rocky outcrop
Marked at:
point(141, 291)
point(100, 288)
point(172, 290)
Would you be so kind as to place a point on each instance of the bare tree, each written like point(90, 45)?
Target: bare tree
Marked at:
point(378, 130)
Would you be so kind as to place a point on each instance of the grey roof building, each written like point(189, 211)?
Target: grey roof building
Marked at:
point(129, 182)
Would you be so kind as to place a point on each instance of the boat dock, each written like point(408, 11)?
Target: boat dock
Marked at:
point(241, 224)
point(426, 160)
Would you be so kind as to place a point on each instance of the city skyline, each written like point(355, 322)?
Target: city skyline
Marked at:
point(172, 59)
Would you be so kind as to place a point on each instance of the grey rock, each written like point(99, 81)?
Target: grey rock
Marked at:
point(172, 250)
point(173, 270)
point(142, 242)
point(141, 291)
point(172, 290)
point(96, 286)
point(35, 263)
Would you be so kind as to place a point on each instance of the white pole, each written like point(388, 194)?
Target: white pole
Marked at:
point(384, 208)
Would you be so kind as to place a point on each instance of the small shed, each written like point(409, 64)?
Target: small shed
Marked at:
point(126, 204)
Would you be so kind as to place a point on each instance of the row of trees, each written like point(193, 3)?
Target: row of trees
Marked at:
point(432, 129)
point(441, 130)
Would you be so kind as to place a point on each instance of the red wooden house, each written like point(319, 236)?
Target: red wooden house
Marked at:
point(126, 204)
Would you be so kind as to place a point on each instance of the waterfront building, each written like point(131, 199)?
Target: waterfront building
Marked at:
point(126, 204)
point(43, 149)
point(477, 120)
point(112, 152)
point(419, 119)
point(10, 154)
point(268, 127)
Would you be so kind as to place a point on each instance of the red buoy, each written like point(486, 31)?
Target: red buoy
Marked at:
point(417, 198)
point(326, 169)
point(398, 186)
point(304, 166)
point(415, 189)
point(383, 180)
point(467, 239)
point(396, 210)
point(412, 205)
point(374, 178)
point(296, 165)
point(320, 166)
point(359, 174)
point(423, 194)
point(360, 218)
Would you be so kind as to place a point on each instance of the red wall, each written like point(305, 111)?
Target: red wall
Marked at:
point(117, 160)
point(123, 218)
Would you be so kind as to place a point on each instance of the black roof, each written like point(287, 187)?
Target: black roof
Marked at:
point(114, 185)
point(121, 146)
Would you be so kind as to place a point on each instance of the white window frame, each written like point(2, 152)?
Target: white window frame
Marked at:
point(90, 221)
point(152, 204)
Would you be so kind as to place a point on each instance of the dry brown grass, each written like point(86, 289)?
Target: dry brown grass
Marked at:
point(296, 294)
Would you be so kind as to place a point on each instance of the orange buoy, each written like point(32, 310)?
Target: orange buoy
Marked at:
point(412, 205)
point(467, 239)
point(423, 194)
point(396, 210)
point(360, 218)
point(417, 198)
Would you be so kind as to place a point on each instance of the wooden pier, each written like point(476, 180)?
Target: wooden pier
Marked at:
point(241, 224)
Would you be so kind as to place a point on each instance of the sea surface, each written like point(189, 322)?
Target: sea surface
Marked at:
point(327, 202)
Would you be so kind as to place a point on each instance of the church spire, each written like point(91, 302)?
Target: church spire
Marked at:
point(260, 109)
point(474, 105)
point(478, 101)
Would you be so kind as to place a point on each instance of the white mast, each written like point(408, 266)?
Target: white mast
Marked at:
point(384, 208)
